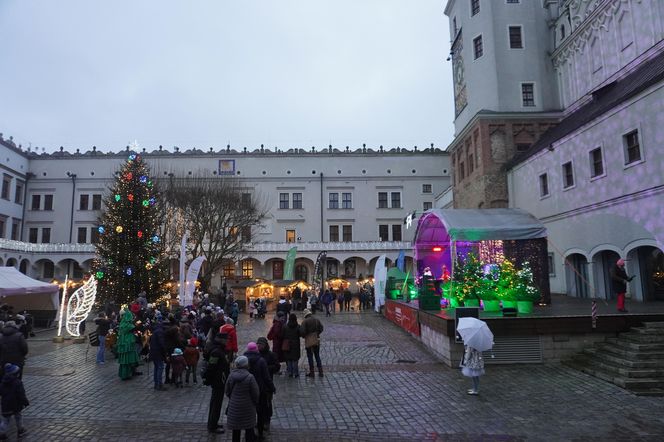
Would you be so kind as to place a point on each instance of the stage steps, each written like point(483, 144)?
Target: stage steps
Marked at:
point(633, 360)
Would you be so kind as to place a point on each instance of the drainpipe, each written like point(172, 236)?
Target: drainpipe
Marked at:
point(28, 176)
point(321, 207)
point(73, 194)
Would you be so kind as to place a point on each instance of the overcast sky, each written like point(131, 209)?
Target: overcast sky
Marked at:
point(287, 73)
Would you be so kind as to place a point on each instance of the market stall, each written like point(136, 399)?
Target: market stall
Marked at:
point(24, 293)
point(284, 287)
point(487, 256)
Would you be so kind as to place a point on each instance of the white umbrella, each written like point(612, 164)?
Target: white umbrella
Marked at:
point(475, 333)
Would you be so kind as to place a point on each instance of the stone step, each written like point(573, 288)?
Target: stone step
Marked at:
point(654, 324)
point(636, 345)
point(618, 369)
point(638, 383)
point(642, 337)
point(653, 392)
point(629, 354)
point(617, 360)
point(648, 330)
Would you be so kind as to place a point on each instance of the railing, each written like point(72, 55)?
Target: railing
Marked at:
point(268, 247)
point(356, 246)
point(26, 247)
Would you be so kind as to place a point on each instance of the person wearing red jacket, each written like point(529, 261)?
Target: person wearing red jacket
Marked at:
point(231, 345)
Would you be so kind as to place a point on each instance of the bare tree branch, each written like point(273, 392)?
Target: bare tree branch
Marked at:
point(220, 214)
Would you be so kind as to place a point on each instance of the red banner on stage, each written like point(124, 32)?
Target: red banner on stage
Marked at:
point(403, 316)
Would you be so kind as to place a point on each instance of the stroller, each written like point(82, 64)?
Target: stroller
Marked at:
point(261, 308)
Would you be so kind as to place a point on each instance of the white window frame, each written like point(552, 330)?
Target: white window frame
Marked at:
point(470, 7)
point(430, 188)
point(562, 175)
point(592, 164)
point(623, 142)
point(400, 199)
point(473, 46)
point(341, 205)
point(523, 40)
point(329, 201)
point(287, 200)
point(536, 97)
point(548, 185)
point(552, 261)
point(380, 238)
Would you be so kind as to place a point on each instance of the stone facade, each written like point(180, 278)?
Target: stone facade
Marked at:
point(479, 157)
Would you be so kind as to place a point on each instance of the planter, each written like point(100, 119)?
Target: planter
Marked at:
point(509, 304)
point(491, 306)
point(471, 303)
point(524, 307)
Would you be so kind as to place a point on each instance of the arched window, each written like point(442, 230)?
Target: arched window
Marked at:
point(302, 273)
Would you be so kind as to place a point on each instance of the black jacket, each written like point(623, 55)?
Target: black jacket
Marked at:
point(103, 325)
point(13, 347)
point(13, 395)
point(258, 368)
point(217, 369)
point(619, 279)
point(271, 360)
point(158, 349)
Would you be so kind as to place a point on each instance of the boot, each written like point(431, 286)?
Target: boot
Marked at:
point(320, 371)
point(311, 373)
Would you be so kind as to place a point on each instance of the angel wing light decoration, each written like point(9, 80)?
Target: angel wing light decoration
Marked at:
point(79, 305)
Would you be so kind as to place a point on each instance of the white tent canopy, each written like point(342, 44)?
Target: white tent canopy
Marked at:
point(25, 293)
point(479, 225)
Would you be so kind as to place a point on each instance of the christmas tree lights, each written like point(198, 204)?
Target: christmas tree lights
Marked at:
point(130, 254)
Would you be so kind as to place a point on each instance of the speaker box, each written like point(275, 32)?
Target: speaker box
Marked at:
point(509, 311)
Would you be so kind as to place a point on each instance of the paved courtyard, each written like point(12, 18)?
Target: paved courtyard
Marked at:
point(380, 384)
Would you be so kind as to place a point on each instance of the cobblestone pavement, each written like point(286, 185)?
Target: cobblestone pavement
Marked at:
point(380, 384)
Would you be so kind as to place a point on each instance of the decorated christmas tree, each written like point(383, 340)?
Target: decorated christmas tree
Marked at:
point(130, 255)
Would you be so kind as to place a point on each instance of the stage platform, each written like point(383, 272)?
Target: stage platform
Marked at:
point(548, 334)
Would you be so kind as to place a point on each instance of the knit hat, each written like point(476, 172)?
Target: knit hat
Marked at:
point(177, 352)
point(242, 362)
point(252, 346)
point(11, 368)
point(262, 340)
point(193, 341)
point(307, 312)
point(621, 262)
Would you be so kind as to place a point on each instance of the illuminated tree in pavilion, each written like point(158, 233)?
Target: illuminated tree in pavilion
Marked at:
point(130, 255)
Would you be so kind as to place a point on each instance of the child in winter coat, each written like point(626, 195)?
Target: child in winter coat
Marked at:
point(191, 357)
point(178, 365)
point(13, 400)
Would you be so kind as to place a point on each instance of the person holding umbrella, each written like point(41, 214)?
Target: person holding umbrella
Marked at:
point(477, 338)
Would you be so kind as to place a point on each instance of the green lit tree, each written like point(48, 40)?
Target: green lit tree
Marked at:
point(130, 256)
point(467, 278)
point(524, 286)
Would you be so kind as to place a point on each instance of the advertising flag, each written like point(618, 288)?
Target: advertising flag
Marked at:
point(290, 264)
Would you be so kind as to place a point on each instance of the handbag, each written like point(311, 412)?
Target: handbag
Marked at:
point(285, 345)
point(311, 340)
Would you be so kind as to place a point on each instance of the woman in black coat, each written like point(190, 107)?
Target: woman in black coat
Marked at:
point(291, 334)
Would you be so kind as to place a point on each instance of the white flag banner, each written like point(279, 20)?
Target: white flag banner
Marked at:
point(192, 275)
point(183, 258)
point(380, 279)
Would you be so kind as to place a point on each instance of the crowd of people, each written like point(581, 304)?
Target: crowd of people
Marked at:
point(202, 339)
point(14, 332)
